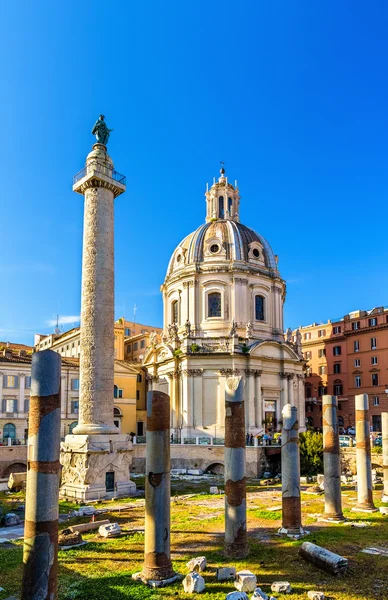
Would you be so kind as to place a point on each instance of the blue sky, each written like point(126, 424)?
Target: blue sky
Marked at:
point(291, 95)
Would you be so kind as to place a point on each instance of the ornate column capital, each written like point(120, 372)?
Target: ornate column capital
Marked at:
point(229, 372)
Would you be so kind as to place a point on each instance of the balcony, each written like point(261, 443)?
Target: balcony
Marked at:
point(108, 173)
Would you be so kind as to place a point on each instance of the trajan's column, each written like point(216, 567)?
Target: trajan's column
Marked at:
point(96, 458)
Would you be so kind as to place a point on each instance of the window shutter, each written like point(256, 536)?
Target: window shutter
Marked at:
point(15, 406)
point(16, 381)
point(26, 405)
point(5, 381)
point(72, 407)
point(4, 404)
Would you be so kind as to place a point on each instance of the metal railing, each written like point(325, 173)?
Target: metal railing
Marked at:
point(107, 173)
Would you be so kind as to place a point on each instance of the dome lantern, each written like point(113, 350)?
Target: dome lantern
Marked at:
point(222, 200)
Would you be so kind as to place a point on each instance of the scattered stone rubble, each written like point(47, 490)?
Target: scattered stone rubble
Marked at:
point(111, 530)
point(323, 559)
point(245, 581)
point(193, 583)
point(225, 573)
point(67, 537)
point(282, 587)
point(198, 563)
point(237, 596)
point(313, 595)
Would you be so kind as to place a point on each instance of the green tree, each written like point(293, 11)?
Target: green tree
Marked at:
point(311, 453)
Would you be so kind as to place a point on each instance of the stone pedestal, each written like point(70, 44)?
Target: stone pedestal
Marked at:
point(88, 462)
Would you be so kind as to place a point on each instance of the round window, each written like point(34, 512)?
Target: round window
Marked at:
point(256, 253)
point(214, 248)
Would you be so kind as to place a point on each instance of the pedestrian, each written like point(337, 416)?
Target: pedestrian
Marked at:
point(172, 438)
point(247, 439)
point(251, 440)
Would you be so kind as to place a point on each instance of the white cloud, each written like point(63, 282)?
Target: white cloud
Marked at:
point(64, 320)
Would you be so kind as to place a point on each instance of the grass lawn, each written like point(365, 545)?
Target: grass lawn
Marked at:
point(101, 570)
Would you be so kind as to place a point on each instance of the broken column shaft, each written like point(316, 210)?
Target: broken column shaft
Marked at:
point(157, 563)
point(384, 429)
point(291, 508)
point(331, 458)
point(236, 542)
point(40, 551)
point(363, 457)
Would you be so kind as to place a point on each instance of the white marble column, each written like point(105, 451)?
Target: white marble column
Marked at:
point(291, 389)
point(302, 402)
point(250, 399)
point(258, 400)
point(97, 301)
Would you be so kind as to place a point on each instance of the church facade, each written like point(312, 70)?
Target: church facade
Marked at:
point(223, 302)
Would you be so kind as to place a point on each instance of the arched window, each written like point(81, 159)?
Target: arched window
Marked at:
point(72, 426)
point(230, 206)
point(259, 308)
point(214, 304)
point(9, 431)
point(221, 210)
point(174, 312)
point(116, 412)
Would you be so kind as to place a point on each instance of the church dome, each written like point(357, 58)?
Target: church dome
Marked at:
point(223, 240)
point(223, 243)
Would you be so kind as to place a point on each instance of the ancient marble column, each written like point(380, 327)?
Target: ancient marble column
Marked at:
point(96, 457)
point(331, 458)
point(97, 301)
point(363, 456)
point(40, 551)
point(384, 429)
point(236, 543)
point(157, 563)
point(291, 507)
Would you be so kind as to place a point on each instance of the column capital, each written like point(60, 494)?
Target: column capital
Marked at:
point(192, 372)
point(229, 372)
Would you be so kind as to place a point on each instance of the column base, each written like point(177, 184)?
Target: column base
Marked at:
point(235, 551)
point(295, 533)
point(155, 583)
point(365, 508)
point(96, 467)
point(95, 429)
point(333, 517)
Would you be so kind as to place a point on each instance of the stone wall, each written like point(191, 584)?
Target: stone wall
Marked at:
point(348, 460)
point(201, 457)
point(12, 459)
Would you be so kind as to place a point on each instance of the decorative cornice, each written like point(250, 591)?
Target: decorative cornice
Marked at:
point(192, 372)
point(229, 372)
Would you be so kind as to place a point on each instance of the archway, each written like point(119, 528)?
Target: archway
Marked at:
point(215, 469)
point(15, 468)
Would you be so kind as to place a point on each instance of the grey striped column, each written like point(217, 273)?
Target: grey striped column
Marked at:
point(291, 508)
point(236, 541)
point(384, 429)
point(363, 458)
point(331, 459)
point(157, 563)
point(40, 552)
